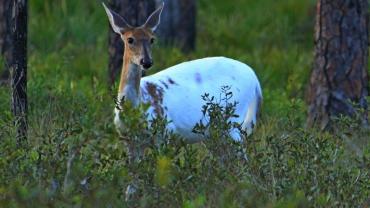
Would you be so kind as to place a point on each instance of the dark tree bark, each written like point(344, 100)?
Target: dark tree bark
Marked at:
point(18, 66)
point(135, 12)
point(5, 39)
point(178, 23)
point(339, 77)
point(178, 26)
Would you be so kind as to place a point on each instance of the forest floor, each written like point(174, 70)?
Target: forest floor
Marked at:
point(74, 157)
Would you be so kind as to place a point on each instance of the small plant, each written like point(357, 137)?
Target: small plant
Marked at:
point(217, 125)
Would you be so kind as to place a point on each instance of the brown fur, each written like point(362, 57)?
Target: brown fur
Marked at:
point(134, 52)
point(165, 84)
point(198, 78)
point(171, 81)
point(156, 93)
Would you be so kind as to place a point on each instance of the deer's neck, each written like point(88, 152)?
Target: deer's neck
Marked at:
point(129, 87)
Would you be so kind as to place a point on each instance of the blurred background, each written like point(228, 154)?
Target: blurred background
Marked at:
point(68, 46)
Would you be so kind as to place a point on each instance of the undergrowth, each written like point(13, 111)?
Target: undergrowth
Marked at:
point(75, 158)
point(290, 167)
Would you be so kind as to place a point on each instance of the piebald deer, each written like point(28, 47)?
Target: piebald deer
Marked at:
point(176, 92)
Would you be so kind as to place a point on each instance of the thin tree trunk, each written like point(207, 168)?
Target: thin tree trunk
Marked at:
point(339, 77)
point(5, 39)
point(178, 23)
point(18, 65)
point(135, 12)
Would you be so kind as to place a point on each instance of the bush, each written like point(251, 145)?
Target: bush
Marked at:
point(75, 158)
point(291, 166)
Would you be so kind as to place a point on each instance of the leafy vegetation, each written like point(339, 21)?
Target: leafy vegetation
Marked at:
point(75, 158)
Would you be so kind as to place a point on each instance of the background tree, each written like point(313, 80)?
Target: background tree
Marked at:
point(5, 39)
point(18, 65)
point(178, 26)
point(178, 23)
point(339, 77)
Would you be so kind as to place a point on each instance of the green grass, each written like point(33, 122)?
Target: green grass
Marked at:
point(71, 112)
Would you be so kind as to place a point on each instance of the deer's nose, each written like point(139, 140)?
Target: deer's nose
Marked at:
point(146, 63)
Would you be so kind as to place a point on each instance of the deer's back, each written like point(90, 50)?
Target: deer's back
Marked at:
point(177, 91)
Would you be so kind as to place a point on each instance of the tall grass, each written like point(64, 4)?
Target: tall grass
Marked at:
point(75, 157)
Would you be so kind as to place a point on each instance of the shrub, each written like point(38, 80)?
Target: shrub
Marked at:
point(285, 165)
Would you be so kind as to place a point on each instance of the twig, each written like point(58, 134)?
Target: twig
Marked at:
point(67, 182)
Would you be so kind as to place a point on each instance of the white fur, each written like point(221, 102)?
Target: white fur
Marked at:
point(187, 82)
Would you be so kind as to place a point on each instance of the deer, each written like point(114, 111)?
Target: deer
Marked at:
point(176, 91)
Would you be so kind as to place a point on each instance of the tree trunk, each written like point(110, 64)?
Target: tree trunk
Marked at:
point(178, 23)
point(5, 39)
point(18, 66)
point(177, 26)
point(135, 13)
point(339, 77)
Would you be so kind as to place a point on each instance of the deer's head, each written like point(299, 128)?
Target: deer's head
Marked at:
point(137, 40)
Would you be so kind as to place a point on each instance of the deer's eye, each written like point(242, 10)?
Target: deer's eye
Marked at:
point(152, 40)
point(130, 40)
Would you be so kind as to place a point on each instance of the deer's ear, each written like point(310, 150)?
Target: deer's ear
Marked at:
point(119, 25)
point(154, 19)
